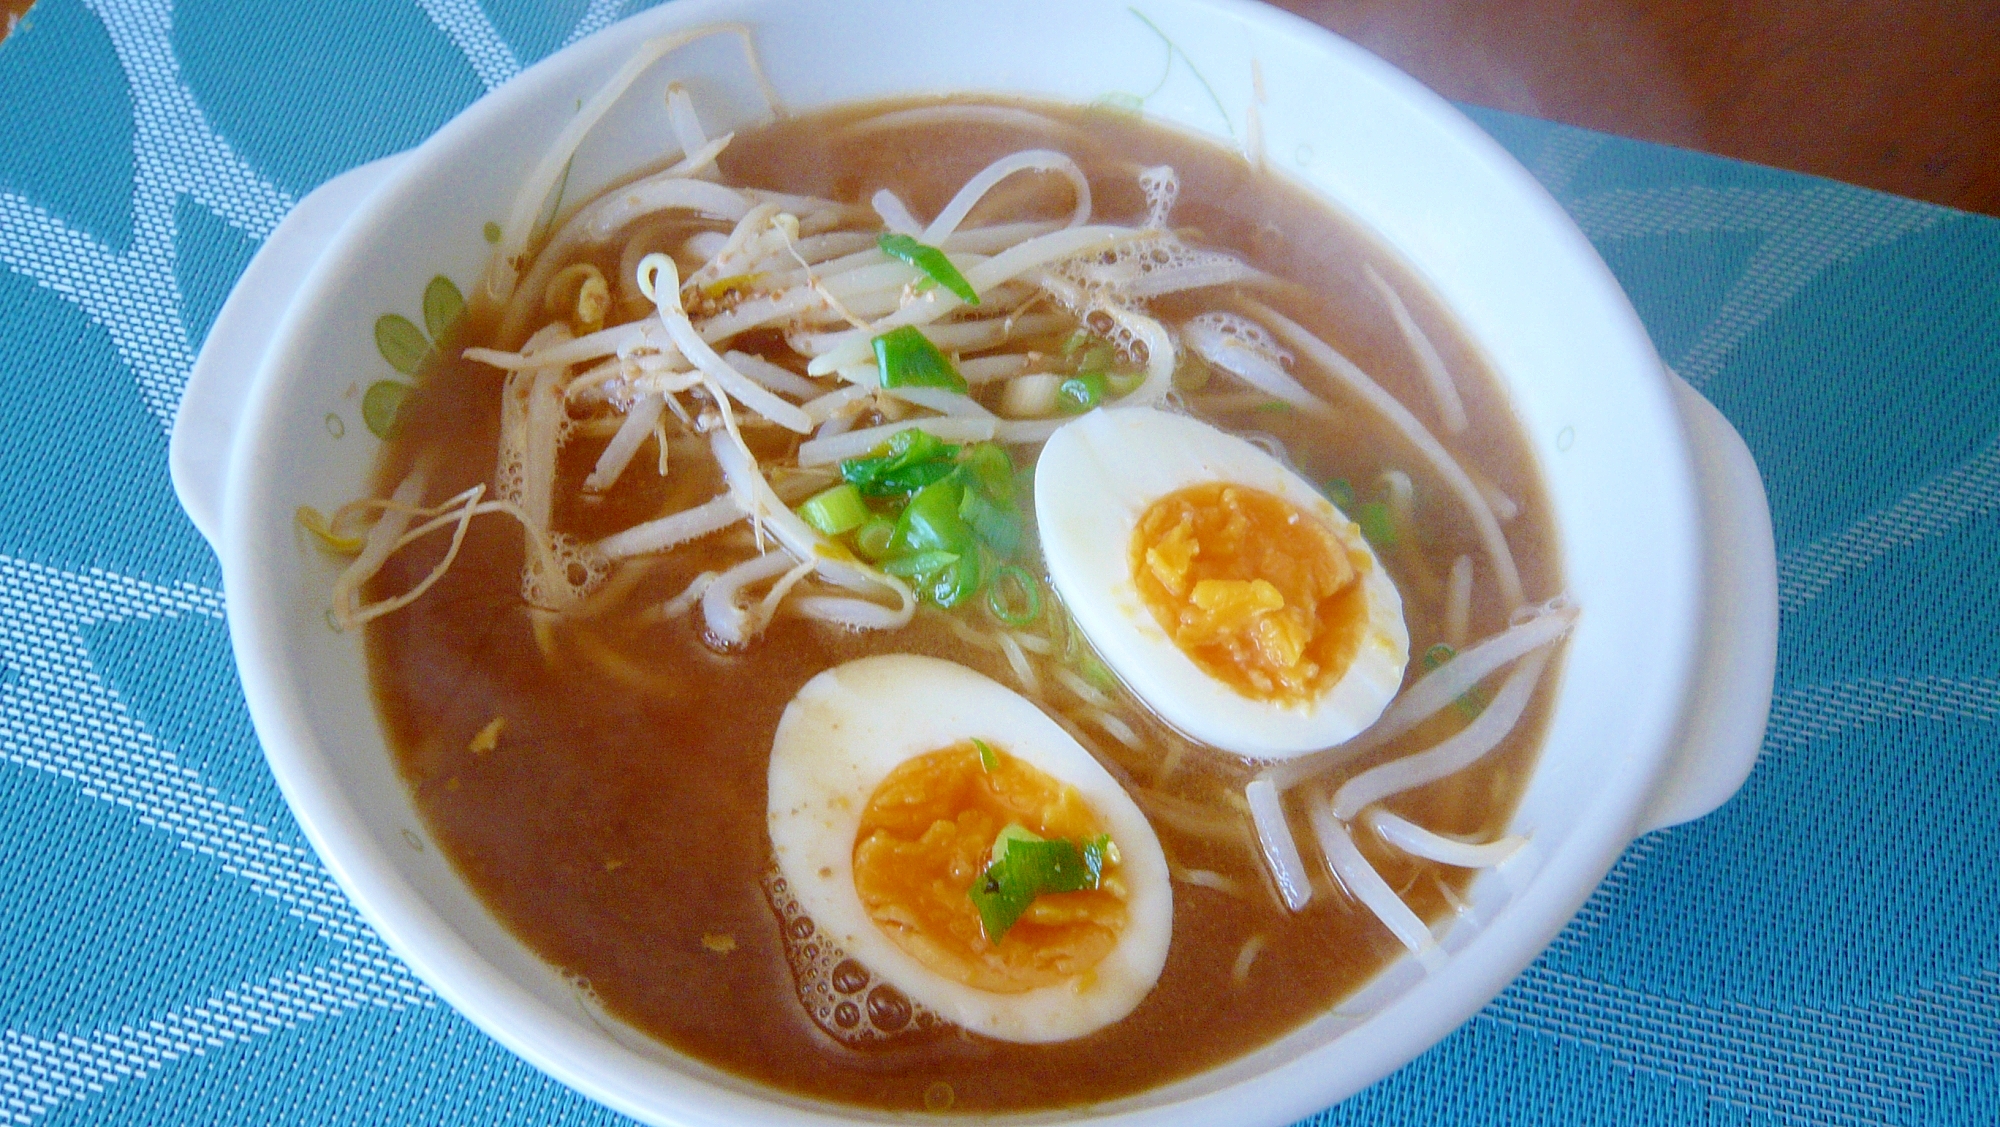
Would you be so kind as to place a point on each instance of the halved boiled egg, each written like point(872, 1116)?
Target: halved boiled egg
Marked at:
point(1222, 588)
point(960, 845)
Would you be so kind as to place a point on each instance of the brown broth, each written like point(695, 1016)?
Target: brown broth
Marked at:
point(620, 821)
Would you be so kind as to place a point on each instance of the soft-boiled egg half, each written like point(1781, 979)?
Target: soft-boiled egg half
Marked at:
point(1224, 590)
point(899, 783)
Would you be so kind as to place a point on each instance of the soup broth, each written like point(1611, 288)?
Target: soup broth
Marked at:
point(598, 772)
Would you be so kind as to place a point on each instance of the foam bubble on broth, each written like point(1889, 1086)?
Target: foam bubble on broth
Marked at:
point(845, 1000)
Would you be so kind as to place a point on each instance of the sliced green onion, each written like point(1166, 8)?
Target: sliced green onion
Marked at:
point(1098, 357)
point(998, 525)
point(910, 460)
point(1078, 394)
point(1025, 866)
point(872, 538)
point(1341, 492)
point(955, 583)
point(930, 523)
point(916, 444)
point(907, 358)
point(943, 579)
point(1000, 900)
point(908, 479)
point(931, 261)
point(1439, 654)
point(1470, 704)
point(1023, 605)
point(835, 511)
point(1095, 360)
point(1024, 481)
point(991, 469)
point(1010, 833)
point(1377, 524)
point(988, 760)
point(919, 566)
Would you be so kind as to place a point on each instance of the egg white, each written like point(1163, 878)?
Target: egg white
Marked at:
point(846, 730)
point(1095, 479)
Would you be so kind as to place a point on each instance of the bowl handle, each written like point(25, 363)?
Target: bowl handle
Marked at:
point(1729, 701)
point(219, 385)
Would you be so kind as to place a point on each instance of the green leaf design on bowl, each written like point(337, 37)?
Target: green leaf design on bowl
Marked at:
point(547, 222)
point(1135, 103)
point(406, 348)
point(402, 344)
point(380, 403)
point(442, 305)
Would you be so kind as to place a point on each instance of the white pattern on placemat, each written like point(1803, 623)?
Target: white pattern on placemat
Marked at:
point(38, 1072)
point(1562, 157)
point(136, 295)
point(475, 37)
point(1806, 232)
point(59, 717)
point(1853, 1065)
point(1800, 717)
point(1968, 491)
point(598, 16)
point(1816, 712)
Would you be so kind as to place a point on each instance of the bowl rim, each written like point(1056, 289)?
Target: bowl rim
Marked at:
point(701, 1094)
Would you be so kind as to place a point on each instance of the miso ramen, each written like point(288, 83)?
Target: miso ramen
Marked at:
point(958, 605)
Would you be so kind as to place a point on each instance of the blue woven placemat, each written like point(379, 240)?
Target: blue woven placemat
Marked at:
point(1823, 950)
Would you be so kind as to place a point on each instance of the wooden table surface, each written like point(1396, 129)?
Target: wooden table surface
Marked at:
point(1900, 95)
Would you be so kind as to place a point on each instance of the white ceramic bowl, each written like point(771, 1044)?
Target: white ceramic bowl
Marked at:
point(1667, 542)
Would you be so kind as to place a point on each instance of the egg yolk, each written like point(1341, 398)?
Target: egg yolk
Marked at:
point(1258, 594)
point(927, 834)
